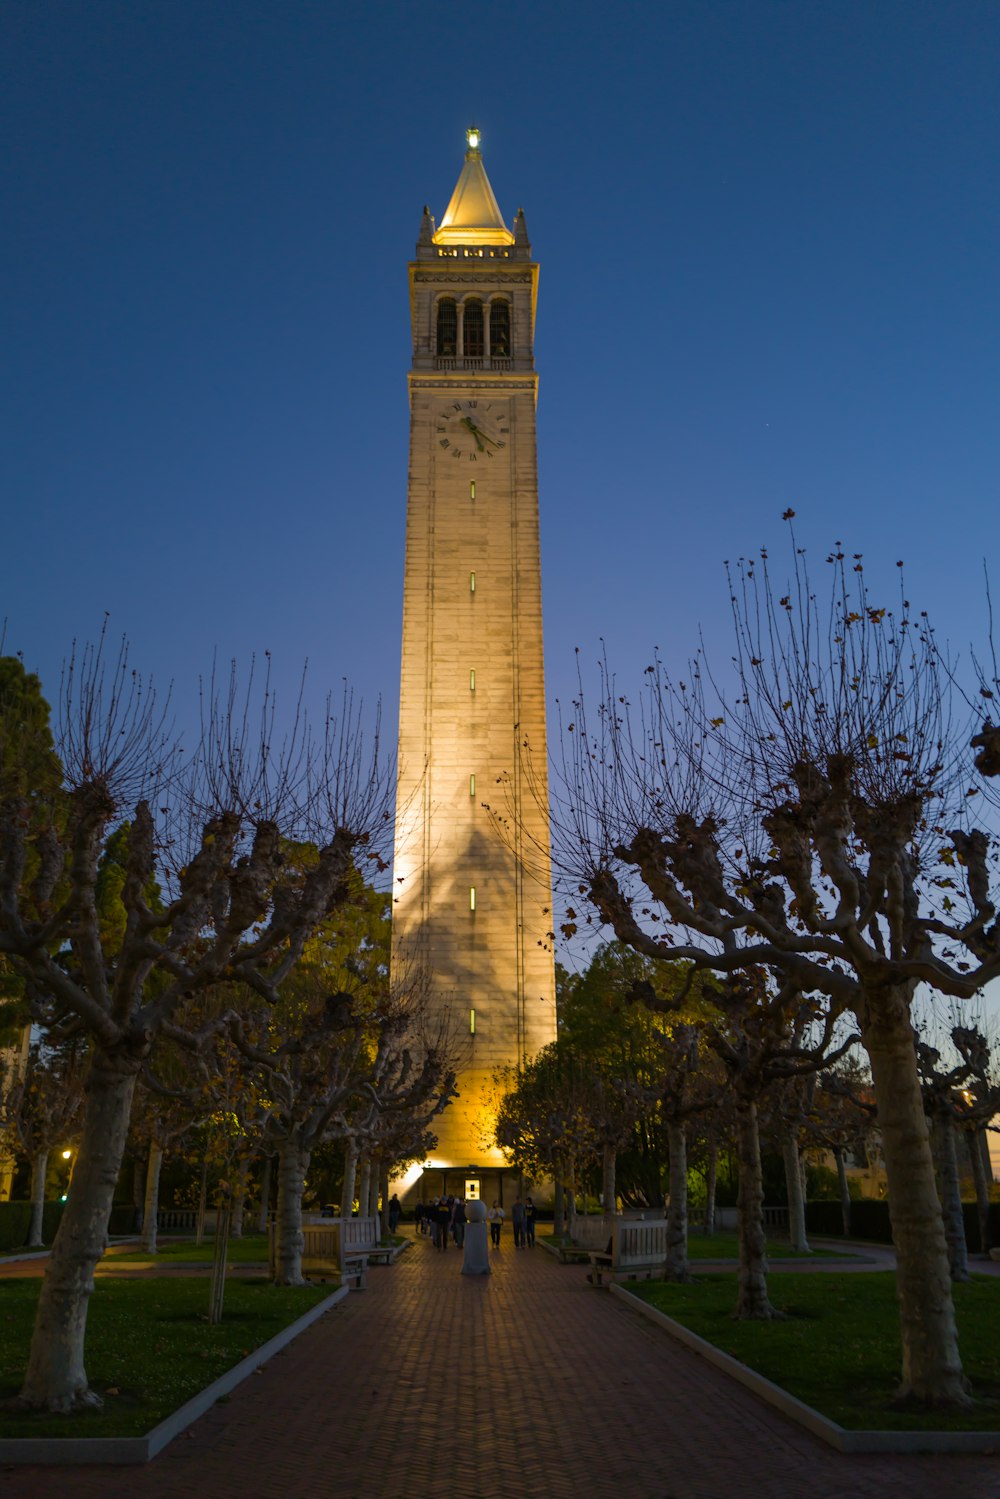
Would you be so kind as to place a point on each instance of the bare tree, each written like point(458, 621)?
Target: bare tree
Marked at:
point(211, 830)
point(978, 1105)
point(840, 1118)
point(40, 1108)
point(543, 1120)
point(685, 1089)
point(814, 821)
point(763, 1035)
point(958, 1099)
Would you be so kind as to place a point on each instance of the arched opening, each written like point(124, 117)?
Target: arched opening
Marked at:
point(447, 327)
point(473, 330)
point(500, 330)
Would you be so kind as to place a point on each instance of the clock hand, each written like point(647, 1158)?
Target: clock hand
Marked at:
point(470, 424)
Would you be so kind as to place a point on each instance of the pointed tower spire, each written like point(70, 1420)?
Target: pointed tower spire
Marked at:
point(473, 216)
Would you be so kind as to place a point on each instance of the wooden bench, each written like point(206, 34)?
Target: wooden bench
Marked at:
point(568, 1254)
point(336, 1246)
point(636, 1250)
point(354, 1269)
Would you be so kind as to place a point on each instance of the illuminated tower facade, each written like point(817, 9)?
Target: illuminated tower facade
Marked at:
point(472, 911)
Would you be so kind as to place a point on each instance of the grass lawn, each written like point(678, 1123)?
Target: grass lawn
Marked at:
point(839, 1348)
point(149, 1347)
point(726, 1247)
point(250, 1250)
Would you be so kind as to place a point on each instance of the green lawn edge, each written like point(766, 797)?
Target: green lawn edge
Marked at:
point(150, 1342)
point(251, 1250)
point(726, 1247)
point(838, 1350)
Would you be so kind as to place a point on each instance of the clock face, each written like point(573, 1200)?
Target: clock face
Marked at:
point(472, 431)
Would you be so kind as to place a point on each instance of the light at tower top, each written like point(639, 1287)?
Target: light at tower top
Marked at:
point(473, 216)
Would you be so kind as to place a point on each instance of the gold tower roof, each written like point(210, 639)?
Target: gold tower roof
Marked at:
point(473, 216)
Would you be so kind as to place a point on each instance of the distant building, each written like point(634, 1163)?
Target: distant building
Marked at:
point(473, 911)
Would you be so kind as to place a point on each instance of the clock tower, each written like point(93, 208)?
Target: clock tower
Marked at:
point(472, 911)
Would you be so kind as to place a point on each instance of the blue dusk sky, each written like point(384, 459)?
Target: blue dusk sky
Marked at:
point(768, 233)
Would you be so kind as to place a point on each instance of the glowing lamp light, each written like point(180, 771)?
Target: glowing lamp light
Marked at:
point(473, 135)
point(66, 1154)
point(64, 1197)
point(410, 1176)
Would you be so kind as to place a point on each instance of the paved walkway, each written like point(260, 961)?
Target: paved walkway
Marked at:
point(527, 1384)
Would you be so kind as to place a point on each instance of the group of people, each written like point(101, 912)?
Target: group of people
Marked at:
point(445, 1218)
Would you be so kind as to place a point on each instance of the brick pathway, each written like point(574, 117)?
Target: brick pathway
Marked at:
point(524, 1385)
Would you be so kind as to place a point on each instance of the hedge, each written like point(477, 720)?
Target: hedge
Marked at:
point(124, 1220)
point(15, 1221)
point(870, 1220)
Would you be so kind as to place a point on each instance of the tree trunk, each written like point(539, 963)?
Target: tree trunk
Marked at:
point(571, 1200)
point(559, 1205)
point(711, 1177)
point(932, 1368)
point(350, 1177)
point(793, 1187)
point(383, 1192)
point(677, 1267)
point(217, 1287)
point(56, 1379)
point(239, 1201)
point(975, 1139)
point(265, 1194)
point(753, 1303)
point(138, 1188)
point(39, 1168)
point(365, 1185)
point(151, 1201)
point(950, 1192)
point(293, 1163)
point(845, 1190)
point(608, 1189)
point(199, 1227)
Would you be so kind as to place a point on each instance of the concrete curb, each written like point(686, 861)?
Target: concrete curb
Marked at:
point(65, 1450)
point(804, 1415)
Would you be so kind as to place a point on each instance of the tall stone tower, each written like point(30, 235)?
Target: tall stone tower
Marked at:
point(472, 912)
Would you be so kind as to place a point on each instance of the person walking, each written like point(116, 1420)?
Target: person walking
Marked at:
point(394, 1212)
point(529, 1222)
point(517, 1217)
point(459, 1221)
point(494, 1217)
